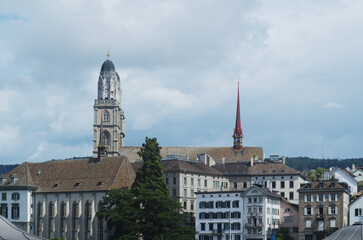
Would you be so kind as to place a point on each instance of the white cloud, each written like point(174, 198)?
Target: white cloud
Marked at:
point(333, 105)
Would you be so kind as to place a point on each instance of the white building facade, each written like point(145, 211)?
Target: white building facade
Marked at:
point(219, 215)
point(356, 210)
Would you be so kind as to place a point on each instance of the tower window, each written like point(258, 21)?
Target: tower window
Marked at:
point(106, 116)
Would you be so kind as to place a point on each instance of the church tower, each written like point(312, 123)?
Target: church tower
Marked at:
point(108, 114)
point(237, 135)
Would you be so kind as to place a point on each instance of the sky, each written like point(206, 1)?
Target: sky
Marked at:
point(299, 64)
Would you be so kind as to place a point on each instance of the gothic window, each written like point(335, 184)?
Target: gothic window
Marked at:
point(106, 138)
point(106, 116)
point(87, 220)
point(100, 223)
point(51, 214)
point(63, 218)
point(75, 220)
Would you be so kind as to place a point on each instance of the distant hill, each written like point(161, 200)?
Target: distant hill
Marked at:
point(306, 163)
point(7, 168)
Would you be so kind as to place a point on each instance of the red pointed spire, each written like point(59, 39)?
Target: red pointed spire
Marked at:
point(237, 135)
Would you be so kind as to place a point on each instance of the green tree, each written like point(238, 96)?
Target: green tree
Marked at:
point(311, 175)
point(283, 234)
point(146, 211)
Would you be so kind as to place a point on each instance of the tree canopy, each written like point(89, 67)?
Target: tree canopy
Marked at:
point(146, 210)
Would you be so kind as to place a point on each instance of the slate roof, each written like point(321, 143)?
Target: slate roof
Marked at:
point(217, 153)
point(182, 166)
point(9, 231)
point(353, 232)
point(263, 168)
point(77, 175)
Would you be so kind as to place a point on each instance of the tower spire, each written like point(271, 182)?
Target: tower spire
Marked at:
point(237, 135)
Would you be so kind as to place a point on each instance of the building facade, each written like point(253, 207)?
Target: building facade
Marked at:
point(219, 215)
point(108, 127)
point(289, 218)
point(323, 207)
point(356, 209)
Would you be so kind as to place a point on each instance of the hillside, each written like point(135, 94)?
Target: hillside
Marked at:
point(7, 168)
point(306, 163)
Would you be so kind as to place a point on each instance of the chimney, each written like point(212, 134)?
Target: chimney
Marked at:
point(283, 160)
point(353, 168)
point(252, 161)
point(223, 160)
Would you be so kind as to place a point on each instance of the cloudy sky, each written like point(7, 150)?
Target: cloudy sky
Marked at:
point(299, 64)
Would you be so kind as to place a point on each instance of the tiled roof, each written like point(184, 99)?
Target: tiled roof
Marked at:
point(217, 153)
point(326, 185)
point(21, 172)
point(263, 168)
point(183, 166)
point(79, 175)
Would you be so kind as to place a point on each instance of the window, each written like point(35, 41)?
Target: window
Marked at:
point(307, 198)
point(185, 181)
point(236, 226)
point(106, 116)
point(332, 223)
point(235, 204)
point(15, 196)
point(192, 181)
point(273, 184)
point(308, 224)
point(282, 184)
point(202, 226)
point(210, 226)
point(237, 237)
point(244, 184)
point(4, 210)
point(308, 237)
point(260, 199)
point(235, 185)
point(15, 211)
point(282, 194)
point(291, 195)
point(358, 212)
point(333, 197)
point(174, 192)
point(3, 196)
point(174, 180)
point(185, 193)
point(205, 183)
point(216, 184)
point(255, 200)
point(63, 220)
point(291, 184)
point(191, 205)
point(307, 211)
point(185, 205)
point(198, 182)
point(192, 193)
point(320, 198)
point(333, 210)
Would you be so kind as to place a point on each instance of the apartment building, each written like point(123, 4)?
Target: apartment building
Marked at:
point(219, 215)
point(323, 206)
point(289, 218)
point(274, 175)
point(356, 209)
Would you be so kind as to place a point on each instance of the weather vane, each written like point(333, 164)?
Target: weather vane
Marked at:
point(108, 54)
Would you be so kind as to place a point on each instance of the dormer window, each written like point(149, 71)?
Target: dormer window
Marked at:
point(320, 185)
point(332, 185)
point(77, 184)
point(308, 186)
point(56, 185)
point(99, 184)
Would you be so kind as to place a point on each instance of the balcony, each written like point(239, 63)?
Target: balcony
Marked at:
point(253, 214)
point(253, 225)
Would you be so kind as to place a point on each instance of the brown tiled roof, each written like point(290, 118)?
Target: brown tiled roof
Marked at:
point(22, 174)
point(326, 185)
point(182, 166)
point(263, 168)
point(232, 168)
point(217, 153)
point(63, 175)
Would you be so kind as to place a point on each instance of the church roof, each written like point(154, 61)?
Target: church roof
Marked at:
point(263, 168)
point(217, 153)
point(107, 66)
point(79, 175)
point(188, 166)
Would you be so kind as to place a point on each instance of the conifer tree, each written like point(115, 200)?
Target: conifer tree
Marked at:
point(146, 211)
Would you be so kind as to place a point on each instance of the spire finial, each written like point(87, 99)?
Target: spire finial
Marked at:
point(237, 135)
point(108, 54)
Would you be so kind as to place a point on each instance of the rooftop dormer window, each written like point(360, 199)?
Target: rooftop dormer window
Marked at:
point(77, 184)
point(99, 184)
point(332, 185)
point(56, 185)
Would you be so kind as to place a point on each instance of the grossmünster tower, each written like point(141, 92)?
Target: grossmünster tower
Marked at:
point(108, 127)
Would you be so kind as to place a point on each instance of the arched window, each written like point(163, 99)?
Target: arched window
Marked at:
point(63, 219)
point(100, 227)
point(106, 138)
point(51, 219)
point(40, 219)
point(75, 220)
point(87, 220)
point(106, 116)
